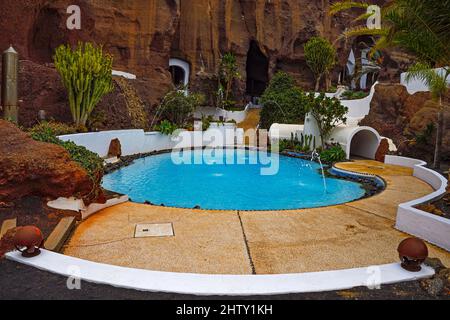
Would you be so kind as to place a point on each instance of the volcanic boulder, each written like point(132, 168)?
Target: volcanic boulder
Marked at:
point(35, 168)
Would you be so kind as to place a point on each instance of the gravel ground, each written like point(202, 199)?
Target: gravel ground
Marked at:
point(19, 282)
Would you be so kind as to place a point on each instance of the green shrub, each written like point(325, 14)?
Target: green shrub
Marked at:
point(354, 95)
point(48, 131)
point(320, 56)
point(166, 127)
point(304, 143)
point(177, 107)
point(333, 154)
point(283, 102)
point(86, 74)
point(90, 161)
point(328, 112)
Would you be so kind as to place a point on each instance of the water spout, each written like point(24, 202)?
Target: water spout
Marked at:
point(316, 156)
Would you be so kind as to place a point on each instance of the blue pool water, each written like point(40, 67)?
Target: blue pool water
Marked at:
point(297, 184)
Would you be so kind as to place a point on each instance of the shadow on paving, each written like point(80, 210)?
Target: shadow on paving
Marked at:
point(26, 283)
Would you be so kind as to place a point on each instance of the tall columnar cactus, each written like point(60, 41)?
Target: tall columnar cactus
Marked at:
point(86, 73)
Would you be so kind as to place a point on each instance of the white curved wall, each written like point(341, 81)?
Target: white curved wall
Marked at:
point(360, 141)
point(183, 65)
point(427, 226)
point(359, 108)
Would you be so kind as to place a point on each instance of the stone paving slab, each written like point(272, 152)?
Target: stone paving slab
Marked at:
point(204, 242)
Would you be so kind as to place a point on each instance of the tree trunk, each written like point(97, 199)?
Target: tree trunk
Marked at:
point(327, 82)
point(317, 84)
point(439, 134)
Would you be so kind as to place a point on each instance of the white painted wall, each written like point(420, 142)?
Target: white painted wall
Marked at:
point(216, 113)
point(416, 85)
point(427, 226)
point(138, 141)
point(125, 75)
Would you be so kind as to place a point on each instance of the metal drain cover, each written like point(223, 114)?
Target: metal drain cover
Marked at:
point(154, 230)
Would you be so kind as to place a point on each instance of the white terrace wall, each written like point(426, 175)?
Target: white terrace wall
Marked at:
point(417, 85)
point(138, 141)
point(419, 223)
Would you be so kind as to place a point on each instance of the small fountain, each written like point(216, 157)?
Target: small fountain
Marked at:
point(316, 156)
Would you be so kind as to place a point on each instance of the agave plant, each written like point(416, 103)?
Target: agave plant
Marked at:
point(418, 27)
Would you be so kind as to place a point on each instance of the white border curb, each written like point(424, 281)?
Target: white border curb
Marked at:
point(424, 225)
point(206, 285)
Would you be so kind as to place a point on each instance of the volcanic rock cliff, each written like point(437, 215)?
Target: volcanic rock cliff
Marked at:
point(143, 34)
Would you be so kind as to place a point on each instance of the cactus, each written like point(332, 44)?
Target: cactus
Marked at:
point(87, 76)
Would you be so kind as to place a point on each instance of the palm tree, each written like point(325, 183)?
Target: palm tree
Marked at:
point(421, 28)
point(438, 84)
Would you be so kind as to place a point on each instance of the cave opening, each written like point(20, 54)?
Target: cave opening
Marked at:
point(178, 75)
point(257, 71)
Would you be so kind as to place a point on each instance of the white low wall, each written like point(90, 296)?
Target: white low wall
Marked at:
point(359, 108)
point(427, 226)
point(123, 74)
point(230, 285)
point(216, 113)
point(138, 141)
point(417, 85)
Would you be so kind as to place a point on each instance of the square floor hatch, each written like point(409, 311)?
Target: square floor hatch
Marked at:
point(154, 230)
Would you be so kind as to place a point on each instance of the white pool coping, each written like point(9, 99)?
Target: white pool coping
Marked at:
point(228, 285)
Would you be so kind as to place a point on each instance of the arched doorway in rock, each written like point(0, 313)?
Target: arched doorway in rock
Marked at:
point(364, 143)
point(180, 71)
point(257, 71)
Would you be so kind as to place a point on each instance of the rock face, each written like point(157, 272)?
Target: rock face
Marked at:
point(35, 168)
point(115, 149)
point(143, 35)
point(396, 114)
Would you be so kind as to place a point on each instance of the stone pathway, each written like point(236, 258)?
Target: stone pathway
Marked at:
point(355, 234)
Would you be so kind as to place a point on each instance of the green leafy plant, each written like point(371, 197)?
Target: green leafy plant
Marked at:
point(177, 107)
point(228, 72)
point(206, 122)
point(354, 95)
point(302, 143)
point(283, 102)
point(48, 131)
point(328, 113)
point(425, 136)
point(320, 56)
point(333, 154)
point(90, 161)
point(166, 127)
point(86, 73)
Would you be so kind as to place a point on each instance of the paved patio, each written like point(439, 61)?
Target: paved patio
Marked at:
point(355, 234)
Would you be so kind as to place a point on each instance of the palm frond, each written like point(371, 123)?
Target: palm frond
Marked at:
point(364, 16)
point(436, 81)
point(345, 5)
point(364, 31)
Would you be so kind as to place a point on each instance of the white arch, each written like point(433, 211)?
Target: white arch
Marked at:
point(174, 62)
point(348, 138)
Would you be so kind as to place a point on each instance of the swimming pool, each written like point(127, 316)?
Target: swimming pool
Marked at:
point(297, 184)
